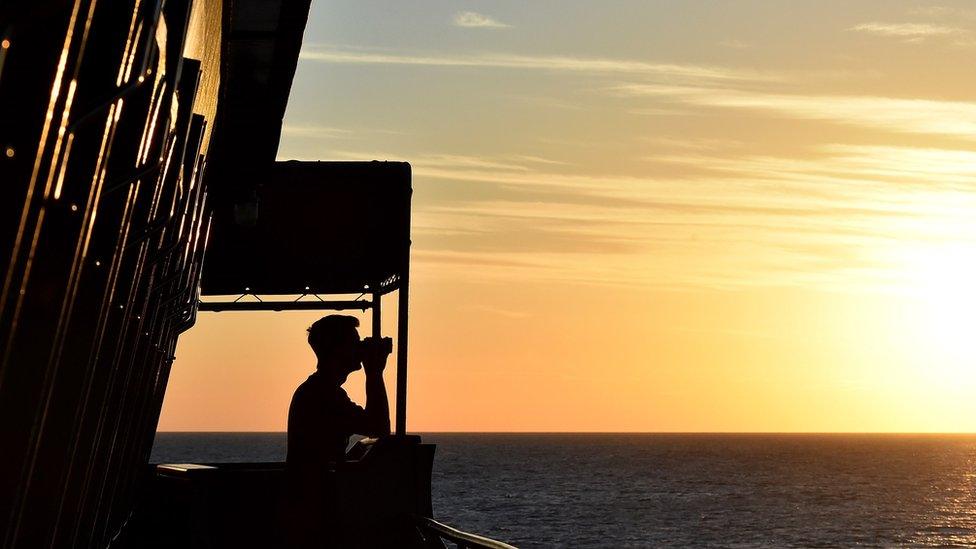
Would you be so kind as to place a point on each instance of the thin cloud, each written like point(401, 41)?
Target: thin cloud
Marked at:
point(736, 44)
point(922, 116)
point(507, 313)
point(904, 115)
point(932, 11)
point(657, 111)
point(943, 13)
point(554, 63)
point(830, 218)
point(470, 19)
point(710, 144)
point(329, 132)
point(832, 172)
point(539, 160)
point(315, 131)
point(906, 30)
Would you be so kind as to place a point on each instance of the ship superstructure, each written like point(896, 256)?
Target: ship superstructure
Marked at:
point(137, 158)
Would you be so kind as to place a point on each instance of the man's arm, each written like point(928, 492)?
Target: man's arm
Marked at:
point(377, 405)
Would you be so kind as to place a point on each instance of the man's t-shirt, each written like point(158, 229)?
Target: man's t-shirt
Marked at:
point(320, 420)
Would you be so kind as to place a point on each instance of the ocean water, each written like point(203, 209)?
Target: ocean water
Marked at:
point(664, 490)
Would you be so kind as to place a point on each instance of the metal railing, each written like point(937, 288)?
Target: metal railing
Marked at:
point(462, 540)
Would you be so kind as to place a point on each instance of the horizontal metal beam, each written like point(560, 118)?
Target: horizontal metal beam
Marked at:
point(218, 306)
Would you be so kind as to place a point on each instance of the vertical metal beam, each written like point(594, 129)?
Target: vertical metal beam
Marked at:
point(377, 314)
point(403, 305)
point(403, 296)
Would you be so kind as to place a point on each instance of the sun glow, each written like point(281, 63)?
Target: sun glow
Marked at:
point(940, 281)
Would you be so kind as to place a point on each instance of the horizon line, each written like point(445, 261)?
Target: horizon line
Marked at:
point(973, 433)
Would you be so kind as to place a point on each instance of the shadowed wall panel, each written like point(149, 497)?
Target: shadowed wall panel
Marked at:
point(104, 226)
point(108, 111)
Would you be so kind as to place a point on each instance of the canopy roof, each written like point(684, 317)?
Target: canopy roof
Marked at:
point(314, 227)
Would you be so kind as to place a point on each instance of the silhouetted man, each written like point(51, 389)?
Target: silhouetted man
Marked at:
point(322, 418)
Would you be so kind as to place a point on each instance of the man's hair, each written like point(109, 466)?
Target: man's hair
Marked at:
point(325, 333)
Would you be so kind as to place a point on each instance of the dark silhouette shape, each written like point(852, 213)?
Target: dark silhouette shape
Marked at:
point(321, 419)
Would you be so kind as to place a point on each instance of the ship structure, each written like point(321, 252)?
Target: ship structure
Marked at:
point(138, 186)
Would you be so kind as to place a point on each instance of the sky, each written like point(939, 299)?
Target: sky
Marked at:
point(645, 216)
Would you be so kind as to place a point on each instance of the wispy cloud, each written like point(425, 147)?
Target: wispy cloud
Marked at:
point(470, 19)
point(909, 31)
point(943, 13)
point(699, 212)
point(473, 162)
point(829, 218)
point(507, 313)
point(736, 44)
point(314, 131)
point(925, 116)
point(553, 63)
point(538, 160)
point(688, 143)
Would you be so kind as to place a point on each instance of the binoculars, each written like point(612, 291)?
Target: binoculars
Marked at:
point(383, 343)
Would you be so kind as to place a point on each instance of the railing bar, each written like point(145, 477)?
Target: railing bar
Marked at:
point(459, 538)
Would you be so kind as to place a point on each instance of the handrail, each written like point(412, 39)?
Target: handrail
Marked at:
point(463, 540)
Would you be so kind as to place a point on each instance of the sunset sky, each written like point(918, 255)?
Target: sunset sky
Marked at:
point(645, 216)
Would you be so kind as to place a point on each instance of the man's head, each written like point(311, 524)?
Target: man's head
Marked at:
point(335, 341)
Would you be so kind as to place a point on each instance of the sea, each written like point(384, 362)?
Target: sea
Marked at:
point(679, 490)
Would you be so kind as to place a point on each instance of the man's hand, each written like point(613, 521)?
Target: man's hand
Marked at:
point(374, 354)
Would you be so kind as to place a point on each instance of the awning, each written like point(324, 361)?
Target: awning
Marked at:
point(314, 228)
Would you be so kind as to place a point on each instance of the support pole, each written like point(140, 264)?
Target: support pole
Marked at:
point(401, 386)
point(403, 304)
point(377, 315)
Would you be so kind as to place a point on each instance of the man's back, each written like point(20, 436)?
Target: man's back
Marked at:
point(320, 420)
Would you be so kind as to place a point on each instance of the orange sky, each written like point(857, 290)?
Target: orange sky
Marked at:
point(646, 216)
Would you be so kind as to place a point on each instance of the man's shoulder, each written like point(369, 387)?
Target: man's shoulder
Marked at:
point(308, 390)
point(306, 386)
point(315, 388)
